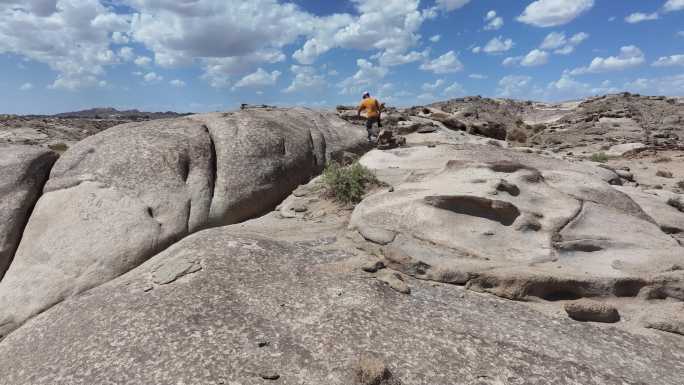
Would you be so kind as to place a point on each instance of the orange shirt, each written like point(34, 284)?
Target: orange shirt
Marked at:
point(371, 106)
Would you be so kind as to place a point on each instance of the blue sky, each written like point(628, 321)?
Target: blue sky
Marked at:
point(207, 55)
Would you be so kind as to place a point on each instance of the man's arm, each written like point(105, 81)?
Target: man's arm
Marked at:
point(361, 108)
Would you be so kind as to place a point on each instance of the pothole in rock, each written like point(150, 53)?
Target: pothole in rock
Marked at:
point(494, 210)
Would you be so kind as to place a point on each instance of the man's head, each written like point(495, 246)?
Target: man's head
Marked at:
point(366, 95)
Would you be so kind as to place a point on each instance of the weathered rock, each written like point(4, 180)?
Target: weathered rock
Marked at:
point(119, 197)
point(394, 280)
point(23, 172)
point(492, 130)
point(670, 220)
point(669, 319)
point(319, 320)
point(664, 174)
point(563, 231)
point(372, 370)
point(592, 311)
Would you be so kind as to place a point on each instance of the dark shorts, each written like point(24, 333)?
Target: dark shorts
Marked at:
point(370, 122)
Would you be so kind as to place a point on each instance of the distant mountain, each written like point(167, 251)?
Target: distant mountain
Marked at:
point(113, 113)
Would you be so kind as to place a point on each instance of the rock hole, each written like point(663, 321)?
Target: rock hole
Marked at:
point(508, 167)
point(628, 287)
point(150, 212)
point(561, 295)
point(671, 230)
point(505, 186)
point(584, 246)
point(493, 210)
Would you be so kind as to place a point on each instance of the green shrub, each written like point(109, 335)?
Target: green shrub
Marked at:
point(58, 147)
point(347, 184)
point(599, 157)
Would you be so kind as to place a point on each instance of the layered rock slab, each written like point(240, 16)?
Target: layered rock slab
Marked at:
point(119, 197)
point(234, 308)
point(23, 172)
point(513, 224)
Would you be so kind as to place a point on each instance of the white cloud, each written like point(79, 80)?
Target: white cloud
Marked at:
point(152, 77)
point(498, 45)
point(477, 49)
point(550, 13)
point(514, 85)
point(391, 58)
point(535, 58)
point(436, 38)
point(493, 22)
point(511, 61)
point(120, 38)
point(368, 76)
point(638, 17)
point(142, 61)
point(447, 63)
point(455, 89)
point(680, 33)
point(126, 53)
point(26, 87)
point(177, 83)
point(388, 26)
point(258, 79)
point(431, 87)
point(219, 72)
point(554, 40)
point(71, 36)
point(561, 45)
point(178, 33)
point(668, 85)
point(673, 5)
point(450, 5)
point(669, 61)
point(427, 97)
point(477, 76)
point(566, 88)
point(629, 57)
point(306, 78)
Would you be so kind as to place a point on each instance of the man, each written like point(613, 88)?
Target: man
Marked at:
point(373, 111)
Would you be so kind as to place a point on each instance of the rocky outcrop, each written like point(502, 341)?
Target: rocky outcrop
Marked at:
point(254, 309)
point(512, 224)
point(118, 198)
point(23, 172)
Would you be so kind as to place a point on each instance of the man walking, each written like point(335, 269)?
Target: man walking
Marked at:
point(372, 108)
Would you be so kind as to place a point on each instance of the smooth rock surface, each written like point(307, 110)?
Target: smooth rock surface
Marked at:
point(117, 198)
point(23, 172)
point(513, 224)
point(319, 318)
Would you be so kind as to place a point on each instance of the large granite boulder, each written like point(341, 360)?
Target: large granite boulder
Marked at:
point(224, 308)
point(117, 198)
point(23, 172)
point(513, 224)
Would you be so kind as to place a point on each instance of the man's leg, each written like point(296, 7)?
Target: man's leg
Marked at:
point(369, 128)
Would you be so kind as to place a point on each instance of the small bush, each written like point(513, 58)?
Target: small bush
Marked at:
point(58, 147)
point(517, 135)
point(599, 157)
point(663, 159)
point(347, 184)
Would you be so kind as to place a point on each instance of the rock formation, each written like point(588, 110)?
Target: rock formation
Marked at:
point(23, 172)
point(117, 198)
point(224, 307)
point(199, 250)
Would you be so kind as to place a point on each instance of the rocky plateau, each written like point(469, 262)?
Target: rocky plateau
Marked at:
point(504, 242)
